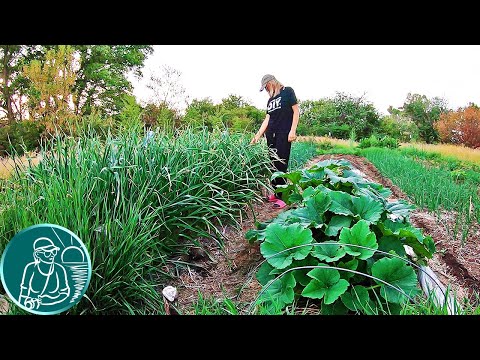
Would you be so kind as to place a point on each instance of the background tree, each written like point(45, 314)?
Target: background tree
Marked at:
point(166, 88)
point(424, 112)
point(398, 126)
point(338, 116)
point(51, 99)
point(201, 112)
point(13, 85)
point(101, 80)
point(461, 126)
point(102, 77)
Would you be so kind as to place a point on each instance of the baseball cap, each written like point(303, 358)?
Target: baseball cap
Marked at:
point(265, 79)
point(44, 243)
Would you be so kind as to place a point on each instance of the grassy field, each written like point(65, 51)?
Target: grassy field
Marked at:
point(326, 139)
point(458, 152)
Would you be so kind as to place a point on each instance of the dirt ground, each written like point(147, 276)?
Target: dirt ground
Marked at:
point(229, 273)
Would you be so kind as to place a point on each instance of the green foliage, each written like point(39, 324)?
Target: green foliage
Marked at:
point(160, 116)
point(342, 116)
point(396, 272)
point(425, 112)
point(210, 306)
point(92, 125)
point(399, 127)
point(279, 238)
point(20, 137)
point(15, 84)
point(300, 153)
point(374, 141)
point(233, 113)
point(326, 246)
point(200, 113)
point(130, 109)
point(102, 78)
point(326, 284)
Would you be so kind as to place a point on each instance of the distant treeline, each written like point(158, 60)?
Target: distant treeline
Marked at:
point(79, 88)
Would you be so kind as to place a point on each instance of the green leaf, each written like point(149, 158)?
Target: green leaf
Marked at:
point(326, 284)
point(341, 203)
point(374, 189)
point(263, 273)
point(367, 208)
point(287, 191)
point(293, 176)
point(422, 246)
point(389, 227)
point(399, 209)
point(328, 251)
point(430, 244)
point(253, 234)
point(395, 272)
point(391, 242)
point(337, 222)
point(357, 299)
point(308, 193)
point(337, 308)
point(312, 213)
point(279, 238)
point(351, 265)
point(300, 274)
point(359, 234)
point(332, 163)
point(334, 178)
point(313, 177)
point(295, 198)
point(280, 291)
point(285, 218)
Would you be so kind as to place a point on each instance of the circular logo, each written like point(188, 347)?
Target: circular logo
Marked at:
point(45, 269)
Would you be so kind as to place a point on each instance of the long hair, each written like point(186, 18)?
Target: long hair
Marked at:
point(276, 87)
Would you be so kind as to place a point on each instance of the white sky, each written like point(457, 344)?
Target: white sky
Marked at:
point(385, 73)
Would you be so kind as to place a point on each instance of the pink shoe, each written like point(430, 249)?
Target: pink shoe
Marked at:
point(272, 198)
point(279, 204)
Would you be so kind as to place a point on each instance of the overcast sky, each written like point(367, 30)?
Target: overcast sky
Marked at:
point(385, 73)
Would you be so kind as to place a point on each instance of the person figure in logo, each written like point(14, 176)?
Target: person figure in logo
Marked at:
point(44, 281)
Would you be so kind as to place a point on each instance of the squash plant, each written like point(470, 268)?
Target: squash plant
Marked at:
point(341, 244)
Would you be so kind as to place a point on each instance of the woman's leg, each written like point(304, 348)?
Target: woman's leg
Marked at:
point(279, 142)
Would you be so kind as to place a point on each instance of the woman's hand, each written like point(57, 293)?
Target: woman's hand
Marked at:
point(292, 136)
point(255, 139)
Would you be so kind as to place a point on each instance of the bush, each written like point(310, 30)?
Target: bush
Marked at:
point(374, 141)
point(399, 127)
point(20, 137)
point(337, 117)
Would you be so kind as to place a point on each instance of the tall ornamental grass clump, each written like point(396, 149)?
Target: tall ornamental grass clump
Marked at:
point(135, 201)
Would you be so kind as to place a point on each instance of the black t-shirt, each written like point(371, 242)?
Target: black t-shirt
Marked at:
point(280, 109)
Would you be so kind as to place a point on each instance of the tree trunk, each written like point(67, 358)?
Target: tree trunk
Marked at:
point(6, 88)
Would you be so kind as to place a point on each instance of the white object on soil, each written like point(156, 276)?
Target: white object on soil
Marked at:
point(435, 288)
point(170, 293)
point(432, 286)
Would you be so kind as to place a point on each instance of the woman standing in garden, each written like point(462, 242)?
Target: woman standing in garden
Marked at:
point(279, 127)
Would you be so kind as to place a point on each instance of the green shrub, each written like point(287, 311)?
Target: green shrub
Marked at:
point(20, 137)
point(374, 141)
